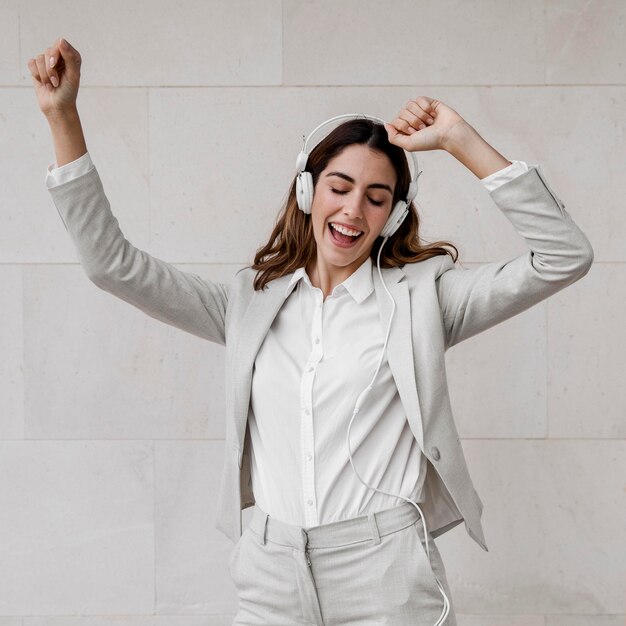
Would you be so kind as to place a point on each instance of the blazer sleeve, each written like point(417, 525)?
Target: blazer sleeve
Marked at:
point(473, 300)
point(181, 299)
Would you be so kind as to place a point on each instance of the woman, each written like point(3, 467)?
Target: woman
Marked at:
point(315, 335)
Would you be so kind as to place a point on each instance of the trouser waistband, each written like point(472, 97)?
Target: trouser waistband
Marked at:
point(365, 527)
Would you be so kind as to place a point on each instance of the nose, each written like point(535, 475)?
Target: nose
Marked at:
point(353, 206)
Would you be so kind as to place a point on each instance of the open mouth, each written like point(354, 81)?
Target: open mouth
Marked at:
point(341, 239)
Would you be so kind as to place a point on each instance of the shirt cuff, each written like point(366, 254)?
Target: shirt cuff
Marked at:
point(506, 174)
point(59, 175)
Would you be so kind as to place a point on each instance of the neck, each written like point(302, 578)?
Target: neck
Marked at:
point(326, 277)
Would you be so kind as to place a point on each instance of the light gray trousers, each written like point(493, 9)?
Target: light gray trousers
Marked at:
point(367, 570)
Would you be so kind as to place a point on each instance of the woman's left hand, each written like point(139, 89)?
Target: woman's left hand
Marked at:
point(424, 124)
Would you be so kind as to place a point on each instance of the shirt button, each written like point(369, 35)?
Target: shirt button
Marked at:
point(308, 457)
point(317, 339)
point(310, 368)
point(306, 411)
point(309, 502)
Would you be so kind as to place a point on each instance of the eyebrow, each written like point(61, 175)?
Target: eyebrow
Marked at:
point(351, 180)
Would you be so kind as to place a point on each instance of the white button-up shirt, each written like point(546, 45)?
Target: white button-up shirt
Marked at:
point(316, 359)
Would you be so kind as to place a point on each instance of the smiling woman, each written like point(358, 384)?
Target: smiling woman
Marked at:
point(307, 326)
point(358, 176)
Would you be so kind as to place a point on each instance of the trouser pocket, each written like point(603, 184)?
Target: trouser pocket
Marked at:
point(234, 555)
point(436, 569)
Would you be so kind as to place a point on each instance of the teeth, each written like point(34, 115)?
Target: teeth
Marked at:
point(344, 230)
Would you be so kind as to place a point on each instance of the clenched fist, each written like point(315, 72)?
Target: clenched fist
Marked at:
point(424, 124)
point(56, 76)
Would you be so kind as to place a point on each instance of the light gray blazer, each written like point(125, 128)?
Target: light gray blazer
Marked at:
point(437, 305)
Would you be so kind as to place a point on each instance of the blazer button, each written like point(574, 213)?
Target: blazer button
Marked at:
point(435, 452)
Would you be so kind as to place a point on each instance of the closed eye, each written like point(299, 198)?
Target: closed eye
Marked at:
point(341, 193)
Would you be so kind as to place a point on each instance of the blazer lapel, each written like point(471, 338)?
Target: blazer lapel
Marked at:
point(400, 343)
point(262, 309)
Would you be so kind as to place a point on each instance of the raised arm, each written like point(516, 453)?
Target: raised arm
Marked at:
point(178, 298)
point(559, 253)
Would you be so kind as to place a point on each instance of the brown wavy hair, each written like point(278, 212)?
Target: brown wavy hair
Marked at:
point(292, 243)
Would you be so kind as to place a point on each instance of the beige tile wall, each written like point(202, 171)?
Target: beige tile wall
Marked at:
point(111, 429)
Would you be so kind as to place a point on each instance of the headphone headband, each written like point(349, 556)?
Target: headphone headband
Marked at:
point(303, 157)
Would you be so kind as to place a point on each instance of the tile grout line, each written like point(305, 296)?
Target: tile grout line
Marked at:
point(546, 365)
point(545, 60)
point(19, 37)
point(222, 439)
point(21, 265)
point(282, 43)
point(148, 92)
point(22, 299)
point(72, 263)
point(341, 86)
point(154, 521)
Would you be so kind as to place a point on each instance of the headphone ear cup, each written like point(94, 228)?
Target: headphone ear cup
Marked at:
point(400, 211)
point(304, 191)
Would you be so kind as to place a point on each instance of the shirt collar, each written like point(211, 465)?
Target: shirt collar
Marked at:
point(359, 284)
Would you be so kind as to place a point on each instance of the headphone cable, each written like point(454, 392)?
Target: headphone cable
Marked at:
point(362, 395)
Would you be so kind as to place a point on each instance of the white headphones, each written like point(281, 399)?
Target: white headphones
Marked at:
point(304, 182)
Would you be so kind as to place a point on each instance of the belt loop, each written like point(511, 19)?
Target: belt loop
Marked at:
point(374, 528)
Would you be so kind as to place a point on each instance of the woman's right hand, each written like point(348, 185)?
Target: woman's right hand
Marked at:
point(56, 100)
